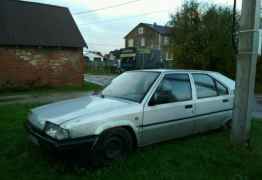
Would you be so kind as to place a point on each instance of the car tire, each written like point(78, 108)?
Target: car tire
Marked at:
point(228, 124)
point(114, 144)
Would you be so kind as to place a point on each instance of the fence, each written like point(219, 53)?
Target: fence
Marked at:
point(102, 67)
point(114, 67)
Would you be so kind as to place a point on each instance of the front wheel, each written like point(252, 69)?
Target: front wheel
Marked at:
point(114, 144)
point(228, 124)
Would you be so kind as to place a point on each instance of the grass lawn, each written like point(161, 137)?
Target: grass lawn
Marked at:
point(203, 157)
point(45, 91)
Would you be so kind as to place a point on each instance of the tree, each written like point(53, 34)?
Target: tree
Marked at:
point(187, 36)
point(219, 50)
point(202, 39)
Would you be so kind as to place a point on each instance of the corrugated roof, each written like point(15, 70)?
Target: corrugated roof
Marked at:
point(34, 24)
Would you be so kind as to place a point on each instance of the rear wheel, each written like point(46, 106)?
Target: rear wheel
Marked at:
point(113, 144)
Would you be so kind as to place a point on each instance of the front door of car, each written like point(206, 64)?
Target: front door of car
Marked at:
point(213, 103)
point(169, 110)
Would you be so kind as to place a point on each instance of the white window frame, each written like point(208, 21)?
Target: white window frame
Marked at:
point(141, 30)
point(143, 42)
point(166, 40)
point(169, 56)
point(130, 42)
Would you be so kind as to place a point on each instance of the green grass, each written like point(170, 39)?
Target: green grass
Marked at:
point(46, 90)
point(203, 157)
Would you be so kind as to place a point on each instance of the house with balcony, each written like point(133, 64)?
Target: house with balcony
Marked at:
point(151, 36)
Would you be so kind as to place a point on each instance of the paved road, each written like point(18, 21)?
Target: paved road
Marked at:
point(104, 80)
point(258, 107)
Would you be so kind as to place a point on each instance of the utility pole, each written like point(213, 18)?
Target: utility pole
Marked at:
point(234, 28)
point(246, 71)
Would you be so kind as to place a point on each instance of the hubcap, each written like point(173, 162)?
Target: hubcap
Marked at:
point(114, 148)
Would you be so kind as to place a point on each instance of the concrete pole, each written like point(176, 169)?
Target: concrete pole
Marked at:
point(234, 27)
point(246, 71)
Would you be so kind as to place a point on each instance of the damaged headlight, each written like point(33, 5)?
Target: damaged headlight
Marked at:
point(56, 132)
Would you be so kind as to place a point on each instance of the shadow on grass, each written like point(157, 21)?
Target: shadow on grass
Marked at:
point(78, 162)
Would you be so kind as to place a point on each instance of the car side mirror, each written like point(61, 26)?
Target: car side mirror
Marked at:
point(154, 100)
point(160, 97)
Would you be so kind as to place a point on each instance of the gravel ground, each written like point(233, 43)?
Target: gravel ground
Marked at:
point(258, 108)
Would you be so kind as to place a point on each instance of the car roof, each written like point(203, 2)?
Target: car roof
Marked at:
point(175, 70)
point(222, 78)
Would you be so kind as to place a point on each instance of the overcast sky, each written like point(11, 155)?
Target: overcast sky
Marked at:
point(104, 29)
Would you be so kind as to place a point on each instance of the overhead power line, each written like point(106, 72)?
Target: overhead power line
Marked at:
point(102, 44)
point(105, 8)
point(124, 18)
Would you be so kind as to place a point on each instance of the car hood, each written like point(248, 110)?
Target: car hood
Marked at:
point(63, 111)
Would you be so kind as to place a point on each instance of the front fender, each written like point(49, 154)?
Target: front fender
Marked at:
point(105, 126)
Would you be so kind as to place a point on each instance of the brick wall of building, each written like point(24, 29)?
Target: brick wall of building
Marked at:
point(39, 67)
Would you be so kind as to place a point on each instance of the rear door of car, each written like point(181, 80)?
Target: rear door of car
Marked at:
point(171, 115)
point(213, 102)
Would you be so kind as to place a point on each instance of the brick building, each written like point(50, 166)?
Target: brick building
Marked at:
point(151, 36)
point(40, 45)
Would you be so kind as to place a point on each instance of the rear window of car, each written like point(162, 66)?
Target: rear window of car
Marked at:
point(206, 86)
point(222, 90)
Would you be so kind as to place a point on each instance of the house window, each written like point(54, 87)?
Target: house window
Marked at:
point(141, 30)
point(131, 43)
point(152, 45)
point(143, 42)
point(169, 56)
point(166, 40)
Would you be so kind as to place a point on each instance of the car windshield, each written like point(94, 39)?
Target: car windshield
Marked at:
point(132, 86)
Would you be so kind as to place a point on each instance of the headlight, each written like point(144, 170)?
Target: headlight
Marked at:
point(55, 131)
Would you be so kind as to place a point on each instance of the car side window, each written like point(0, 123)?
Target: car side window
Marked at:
point(173, 88)
point(222, 90)
point(205, 86)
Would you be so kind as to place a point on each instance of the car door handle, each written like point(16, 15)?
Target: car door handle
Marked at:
point(190, 106)
point(225, 100)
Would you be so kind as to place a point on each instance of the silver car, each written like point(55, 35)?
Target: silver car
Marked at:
point(138, 108)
